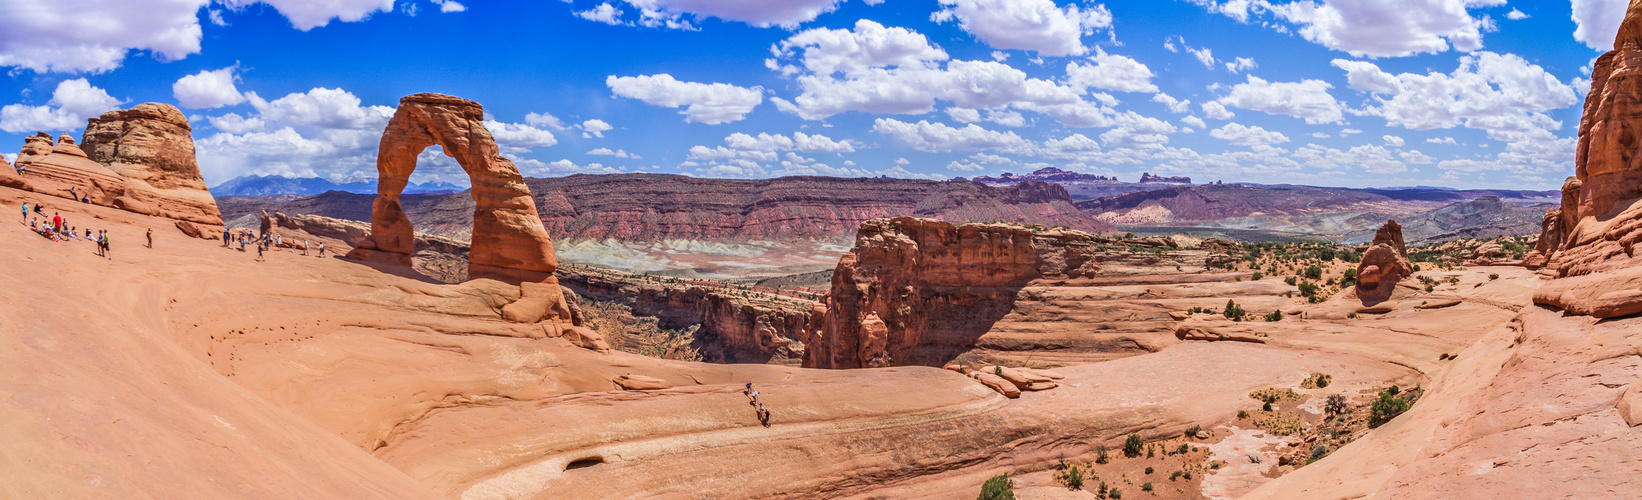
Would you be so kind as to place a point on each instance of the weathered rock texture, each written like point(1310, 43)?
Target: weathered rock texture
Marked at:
point(920, 291)
point(735, 327)
point(152, 147)
point(9, 177)
point(508, 239)
point(1383, 265)
point(55, 169)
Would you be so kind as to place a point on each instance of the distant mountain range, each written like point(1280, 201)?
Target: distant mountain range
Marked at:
point(263, 185)
point(1086, 186)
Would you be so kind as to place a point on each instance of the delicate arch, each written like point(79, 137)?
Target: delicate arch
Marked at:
point(508, 238)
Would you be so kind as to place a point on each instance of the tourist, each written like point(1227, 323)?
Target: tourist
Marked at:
point(40, 209)
point(225, 241)
point(304, 247)
point(25, 212)
point(56, 220)
point(151, 237)
point(74, 192)
point(88, 234)
point(321, 249)
point(259, 252)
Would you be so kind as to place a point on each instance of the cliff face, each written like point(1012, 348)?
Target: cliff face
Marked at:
point(152, 146)
point(920, 291)
point(756, 328)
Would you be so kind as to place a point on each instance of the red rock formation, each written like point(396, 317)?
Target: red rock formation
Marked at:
point(1383, 265)
point(1594, 234)
point(9, 177)
point(508, 239)
point(55, 169)
point(921, 291)
point(152, 147)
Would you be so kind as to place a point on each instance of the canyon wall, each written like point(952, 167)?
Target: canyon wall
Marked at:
point(736, 326)
point(920, 291)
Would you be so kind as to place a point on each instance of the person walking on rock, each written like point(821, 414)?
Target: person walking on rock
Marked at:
point(56, 220)
point(259, 252)
point(321, 249)
point(25, 212)
point(225, 241)
point(151, 237)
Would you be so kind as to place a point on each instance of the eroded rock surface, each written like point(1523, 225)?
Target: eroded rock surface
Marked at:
point(62, 169)
point(152, 147)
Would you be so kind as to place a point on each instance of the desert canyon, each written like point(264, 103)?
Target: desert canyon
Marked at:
point(592, 336)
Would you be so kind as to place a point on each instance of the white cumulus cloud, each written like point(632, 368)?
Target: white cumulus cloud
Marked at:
point(1110, 72)
point(1596, 22)
point(207, 89)
point(1035, 25)
point(1306, 99)
point(941, 138)
point(1247, 135)
point(71, 104)
point(709, 103)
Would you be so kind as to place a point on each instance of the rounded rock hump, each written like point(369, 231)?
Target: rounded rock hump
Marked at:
point(151, 145)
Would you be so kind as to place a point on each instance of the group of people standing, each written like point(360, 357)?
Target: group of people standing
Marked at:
point(57, 229)
point(758, 406)
point(265, 242)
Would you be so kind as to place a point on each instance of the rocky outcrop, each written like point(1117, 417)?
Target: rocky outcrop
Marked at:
point(62, 169)
point(737, 326)
point(152, 147)
point(9, 177)
point(1383, 265)
point(508, 240)
point(920, 291)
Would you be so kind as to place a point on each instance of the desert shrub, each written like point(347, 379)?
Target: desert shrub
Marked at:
point(1326, 254)
point(1174, 476)
point(1314, 272)
point(1114, 493)
point(1387, 407)
point(1318, 452)
point(1308, 289)
point(999, 487)
point(1416, 268)
point(1274, 317)
point(1070, 476)
point(997, 370)
point(1242, 414)
point(1266, 406)
point(1132, 445)
point(1233, 311)
point(1258, 275)
point(1146, 487)
point(1183, 448)
point(1429, 288)
point(1290, 280)
point(1336, 405)
point(1316, 381)
point(1148, 470)
point(1101, 456)
point(1192, 432)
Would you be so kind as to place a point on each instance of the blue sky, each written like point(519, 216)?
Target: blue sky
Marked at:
point(1462, 93)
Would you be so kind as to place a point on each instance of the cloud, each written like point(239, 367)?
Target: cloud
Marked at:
point(941, 138)
point(323, 108)
point(604, 13)
point(448, 6)
point(1502, 94)
point(308, 14)
point(1247, 136)
point(1367, 77)
point(964, 115)
point(71, 104)
point(1393, 141)
point(1110, 72)
point(1444, 140)
point(1516, 15)
point(207, 89)
point(964, 167)
point(1388, 28)
point(1371, 159)
point(1194, 121)
point(73, 36)
point(1596, 22)
point(785, 13)
point(519, 137)
point(537, 168)
point(1307, 99)
point(1175, 105)
point(233, 123)
point(595, 127)
point(1240, 65)
point(765, 147)
point(546, 120)
point(1216, 111)
point(616, 153)
point(1415, 157)
point(1035, 25)
point(870, 45)
point(709, 103)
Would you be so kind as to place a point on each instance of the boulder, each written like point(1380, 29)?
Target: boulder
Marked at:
point(633, 382)
point(10, 178)
point(538, 302)
point(152, 147)
point(998, 384)
point(1630, 404)
point(1438, 304)
point(1216, 328)
point(508, 240)
point(190, 229)
point(582, 337)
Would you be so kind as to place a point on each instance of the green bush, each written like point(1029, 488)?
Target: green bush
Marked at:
point(1174, 476)
point(1148, 470)
point(1233, 311)
point(1290, 280)
point(1258, 275)
point(1387, 407)
point(1337, 405)
point(1314, 272)
point(1266, 406)
point(1274, 317)
point(1242, 414)
point(1146, 487)
point(1100, 455)
point(1114, 493)
point(1072, 478)
point(1308, 289)
point(1132, 445)
point(1000, 487)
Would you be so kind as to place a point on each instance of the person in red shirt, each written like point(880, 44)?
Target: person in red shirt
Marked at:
point(56, 220)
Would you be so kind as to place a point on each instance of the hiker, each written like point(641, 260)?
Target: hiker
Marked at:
point(107, 247)
point(151, 237)
point(763, 416)
point(321, 249)
point(56, 220)
point(304, 247)
point(74, 192)
point(25, 212)
point(40, 209)
point(259, 252)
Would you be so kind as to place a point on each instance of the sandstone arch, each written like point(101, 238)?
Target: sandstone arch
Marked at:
point(508, 239)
